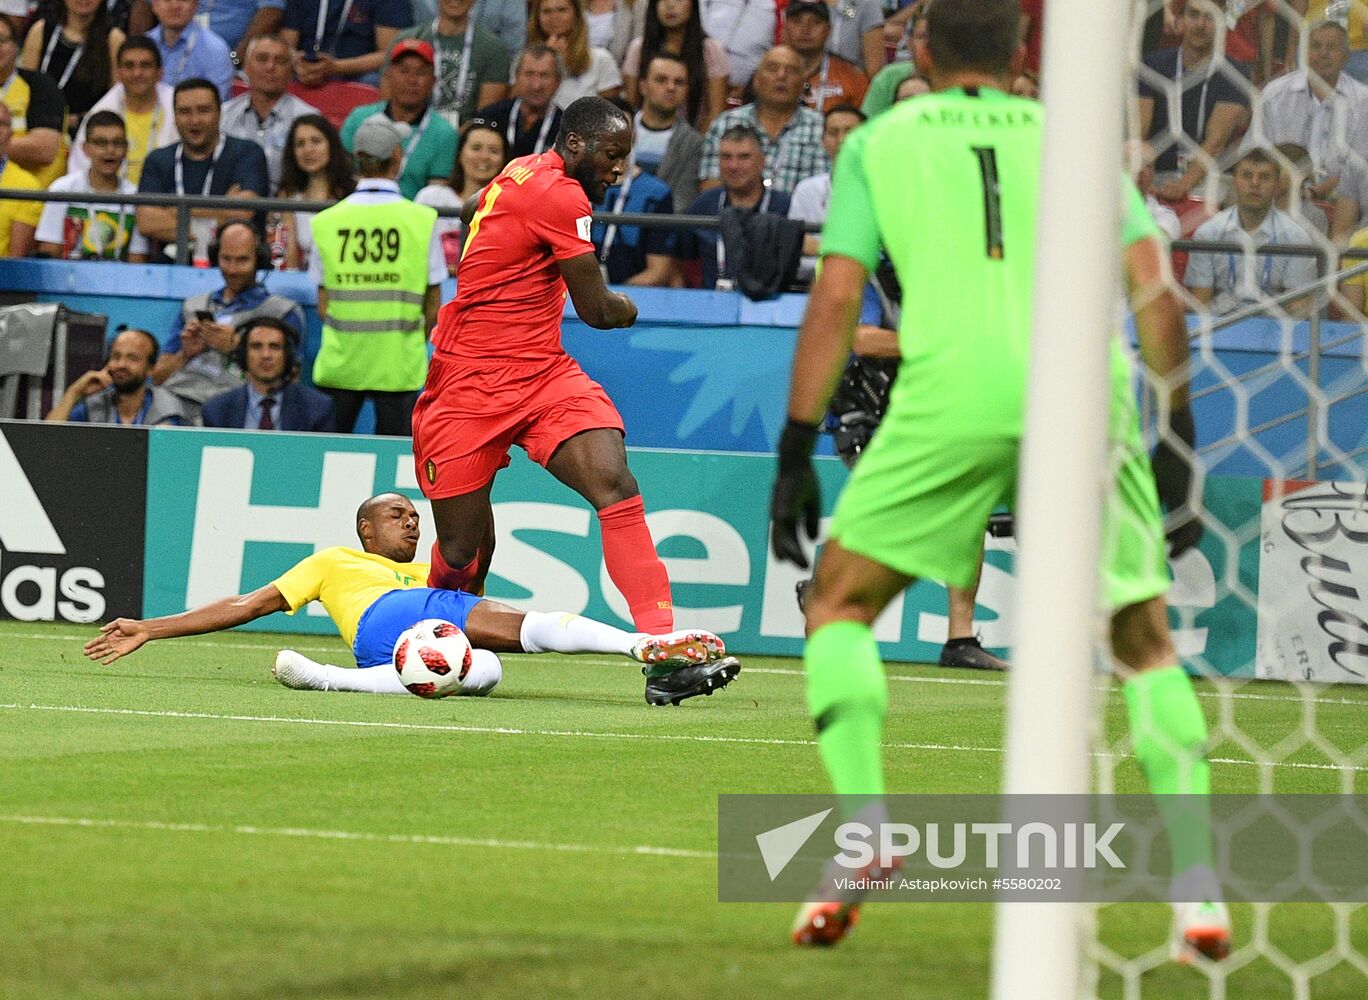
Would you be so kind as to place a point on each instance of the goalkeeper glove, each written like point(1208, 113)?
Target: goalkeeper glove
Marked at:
point(796, 494)
point(1173, 474)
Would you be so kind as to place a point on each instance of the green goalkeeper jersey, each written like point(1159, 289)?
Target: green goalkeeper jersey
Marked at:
point(947, 185)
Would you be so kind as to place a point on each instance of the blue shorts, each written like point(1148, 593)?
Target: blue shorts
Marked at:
point(380, 626)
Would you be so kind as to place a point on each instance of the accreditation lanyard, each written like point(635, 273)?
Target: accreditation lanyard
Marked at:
point(511, 132)
point(71, 63)
point(721, 243)
point(323, 21)
point(629, 175)
point(819, 97)
point(208, 177)
point(191, 36)
point(415, 137)
point(459, 97)
point(1201, 99)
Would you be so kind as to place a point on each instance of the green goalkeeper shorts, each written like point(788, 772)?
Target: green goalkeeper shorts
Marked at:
point(921, 507)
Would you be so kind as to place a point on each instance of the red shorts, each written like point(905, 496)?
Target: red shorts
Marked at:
point(470, 414)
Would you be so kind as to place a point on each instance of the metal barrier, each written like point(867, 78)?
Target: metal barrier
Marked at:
point(1327, 260)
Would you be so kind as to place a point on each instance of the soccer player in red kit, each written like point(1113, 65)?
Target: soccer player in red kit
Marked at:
point(500, 377)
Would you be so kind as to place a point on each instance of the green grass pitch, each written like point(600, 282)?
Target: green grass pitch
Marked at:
point(178, 825)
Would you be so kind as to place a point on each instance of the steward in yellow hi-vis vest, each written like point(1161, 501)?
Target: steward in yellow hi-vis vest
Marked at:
point(378, 270)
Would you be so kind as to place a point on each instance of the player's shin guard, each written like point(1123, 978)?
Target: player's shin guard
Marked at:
point(634, 567)
point(847, 697)
point(1169, 735)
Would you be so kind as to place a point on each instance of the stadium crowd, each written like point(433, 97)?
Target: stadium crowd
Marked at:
point(738, 104)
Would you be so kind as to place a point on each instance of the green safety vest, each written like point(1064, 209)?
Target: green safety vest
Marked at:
point(375, 271)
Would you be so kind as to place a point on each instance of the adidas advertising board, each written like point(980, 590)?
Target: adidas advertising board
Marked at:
point(72, 521)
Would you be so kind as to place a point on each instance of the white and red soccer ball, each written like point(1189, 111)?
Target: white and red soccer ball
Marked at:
point(434, 660)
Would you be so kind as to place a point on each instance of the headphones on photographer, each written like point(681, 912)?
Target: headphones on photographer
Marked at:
point(239, 352)
point(263, 252)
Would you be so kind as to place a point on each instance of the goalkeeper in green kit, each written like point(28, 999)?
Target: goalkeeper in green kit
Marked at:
point(946, 185)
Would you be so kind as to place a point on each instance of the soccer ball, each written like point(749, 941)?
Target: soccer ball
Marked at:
point(433, 659)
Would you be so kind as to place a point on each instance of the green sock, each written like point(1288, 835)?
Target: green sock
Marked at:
point(1169, 735)
point(847, 697)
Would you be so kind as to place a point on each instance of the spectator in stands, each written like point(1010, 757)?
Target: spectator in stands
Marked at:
point(828, 80)
point(76, 47)
point(791, 133)
point(18, 219)
point(674, 27)
point(203, 162)
point(746, 30)
point(560, 26)
point(1223, 282)
point(1355, 20)
point(330, 50)
point(314, 167)
point(1322, 109)
point(482, 153)
point(741, 160)
point(1213, 101)
point(505, 18)
point(37, 113)
point(611, 24)
point(1138, 159)
point(857, 34)
point(270, 398)
point(1297, 172)
point(810, 197)
point(471, 62)
point(1250, 35)
point(198, 359)
point(430, 149)
point(529, 118)
point(665, 144)
point(633, 255)
point(237, 22)
point(263, 115)
point(141, 100)
point(86, 231)
point(912, 86)
point(883, 86)
point(190, 51)
point(120, 393)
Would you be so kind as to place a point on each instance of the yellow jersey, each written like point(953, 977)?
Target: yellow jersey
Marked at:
point(347, 582)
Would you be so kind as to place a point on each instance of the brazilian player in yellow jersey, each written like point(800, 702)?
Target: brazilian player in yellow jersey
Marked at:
point(374, 594)
point(946, 184)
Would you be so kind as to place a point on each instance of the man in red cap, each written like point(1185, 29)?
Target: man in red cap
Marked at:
point(430, 150)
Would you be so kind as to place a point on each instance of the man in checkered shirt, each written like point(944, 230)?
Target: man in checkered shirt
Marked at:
point(791, 134)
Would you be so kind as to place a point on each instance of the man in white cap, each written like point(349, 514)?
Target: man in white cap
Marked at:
point(378, 265)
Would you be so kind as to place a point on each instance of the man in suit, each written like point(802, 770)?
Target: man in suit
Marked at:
point(270, 398)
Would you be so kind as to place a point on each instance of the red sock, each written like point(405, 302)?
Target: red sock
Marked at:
point(633, 565)
point(442, 576)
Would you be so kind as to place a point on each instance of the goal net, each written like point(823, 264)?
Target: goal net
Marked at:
point(1270, 611)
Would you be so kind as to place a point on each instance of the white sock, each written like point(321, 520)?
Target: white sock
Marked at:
point(561, 632)
point(381, 679)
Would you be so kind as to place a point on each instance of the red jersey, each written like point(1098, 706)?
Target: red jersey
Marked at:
point(509, 291)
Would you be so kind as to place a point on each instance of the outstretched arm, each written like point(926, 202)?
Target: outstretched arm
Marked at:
point(126, 635)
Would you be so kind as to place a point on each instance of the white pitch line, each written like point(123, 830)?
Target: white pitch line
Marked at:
point(583, 733)
point(375, 838)
point(603, 661)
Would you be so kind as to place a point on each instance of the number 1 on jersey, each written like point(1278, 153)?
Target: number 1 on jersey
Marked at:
point(992, 200)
